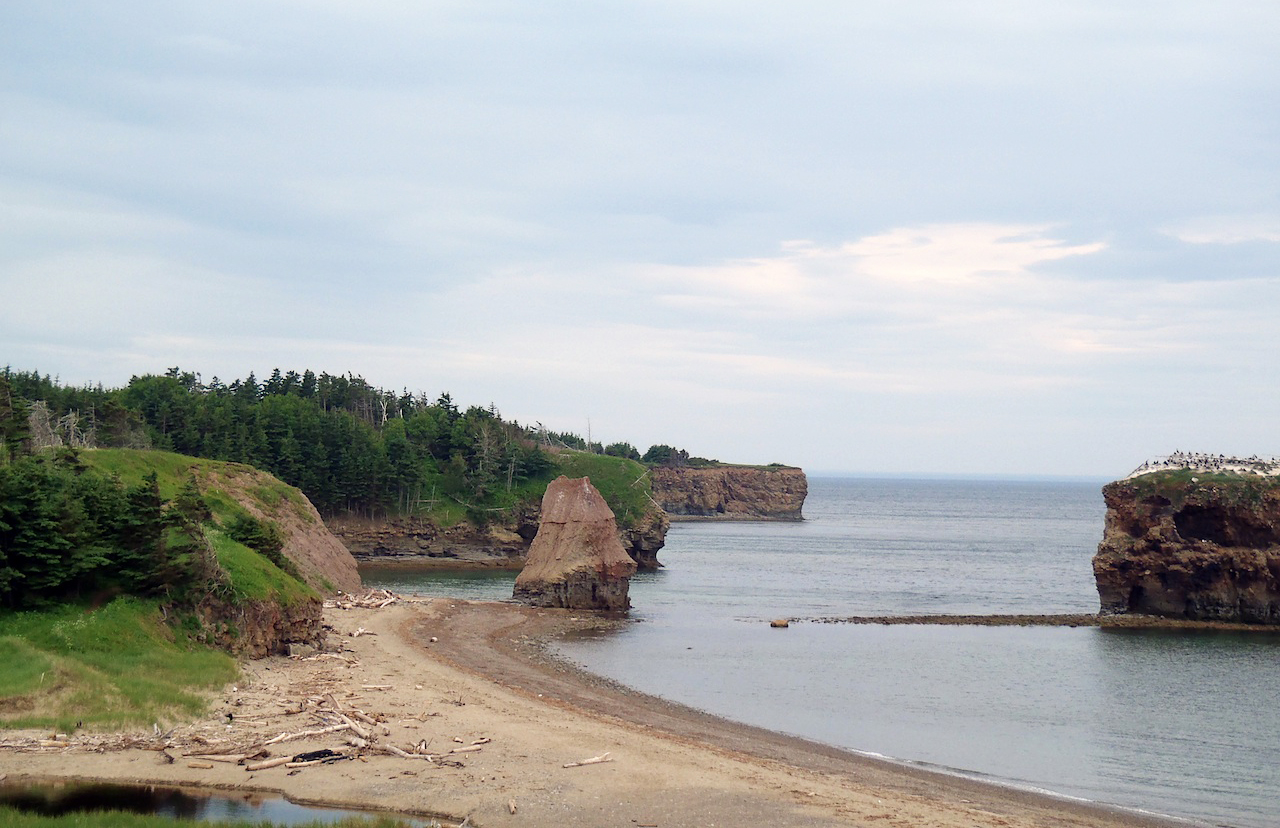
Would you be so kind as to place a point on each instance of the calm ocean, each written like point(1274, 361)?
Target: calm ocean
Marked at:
point(1185, 724)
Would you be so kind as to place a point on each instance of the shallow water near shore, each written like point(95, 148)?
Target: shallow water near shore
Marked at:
point(1174, 722)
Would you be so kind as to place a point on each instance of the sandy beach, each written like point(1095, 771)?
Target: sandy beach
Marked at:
point(485, 688)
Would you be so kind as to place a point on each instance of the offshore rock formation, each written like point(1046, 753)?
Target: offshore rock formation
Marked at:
point(731, 492)
point(576, 561)
point(643, 540)
point(1192, 544)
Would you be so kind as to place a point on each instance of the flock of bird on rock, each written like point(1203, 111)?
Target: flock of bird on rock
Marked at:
point(1195, 461)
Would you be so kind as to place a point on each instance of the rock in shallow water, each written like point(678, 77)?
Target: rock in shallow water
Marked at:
point(1204, 547)
point(576, 560)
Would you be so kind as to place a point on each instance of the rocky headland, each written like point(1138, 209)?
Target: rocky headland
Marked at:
point(1193, 540)
point(680, 493)
point(320, 558)
point(731, 492)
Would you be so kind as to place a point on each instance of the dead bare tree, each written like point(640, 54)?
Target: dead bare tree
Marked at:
point(44, 434)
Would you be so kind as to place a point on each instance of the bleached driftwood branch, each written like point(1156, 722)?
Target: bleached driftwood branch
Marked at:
point(594, 760)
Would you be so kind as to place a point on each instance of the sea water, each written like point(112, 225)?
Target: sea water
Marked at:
point(1179, 723)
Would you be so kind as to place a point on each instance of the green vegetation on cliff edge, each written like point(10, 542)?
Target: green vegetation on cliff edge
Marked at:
point(623, 483)
point(106, 557)
point(1175, 484)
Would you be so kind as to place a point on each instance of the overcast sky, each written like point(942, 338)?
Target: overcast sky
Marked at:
point(915, 237)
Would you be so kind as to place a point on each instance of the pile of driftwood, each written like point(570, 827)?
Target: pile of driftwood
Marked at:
point(90, 742)
point(374, 599)
point(357, 733)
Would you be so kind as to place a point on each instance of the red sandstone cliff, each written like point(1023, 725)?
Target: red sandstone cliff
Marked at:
point(1186, 545)
point(731, 492)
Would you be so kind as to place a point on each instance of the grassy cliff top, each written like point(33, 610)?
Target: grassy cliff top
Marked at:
point(623, 483)
point(1180, 485)
point(216, 478)
point(225, 487)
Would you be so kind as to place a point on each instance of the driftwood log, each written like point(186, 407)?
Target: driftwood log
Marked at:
point(594, 760)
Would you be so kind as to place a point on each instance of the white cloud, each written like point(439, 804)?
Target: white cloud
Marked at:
point(911, 272)
point(564, 209)
point(968, 254)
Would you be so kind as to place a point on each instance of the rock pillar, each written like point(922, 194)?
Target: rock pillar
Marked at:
point(576, 560)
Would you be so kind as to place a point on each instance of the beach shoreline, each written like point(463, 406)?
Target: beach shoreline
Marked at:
point(450, 674)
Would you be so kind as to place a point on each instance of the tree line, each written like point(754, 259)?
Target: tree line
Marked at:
point(349, 446)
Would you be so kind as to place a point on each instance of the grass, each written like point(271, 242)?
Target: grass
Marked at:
point(24, 670)
point(274, 491)
point(623, 483)
point(1232, 488)
point(112, 667)
point(13, 818)
point(253, 577)
point(173, 470)
point(132, 465)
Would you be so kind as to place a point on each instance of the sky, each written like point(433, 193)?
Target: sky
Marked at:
point(989, 238)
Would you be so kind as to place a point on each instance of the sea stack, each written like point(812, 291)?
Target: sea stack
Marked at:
point(576, 560)
point(1194, 540)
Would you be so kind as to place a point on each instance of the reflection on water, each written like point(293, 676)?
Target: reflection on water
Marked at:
point(59, 798)
point(471, 584)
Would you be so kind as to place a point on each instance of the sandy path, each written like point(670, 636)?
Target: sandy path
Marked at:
point(483, 679)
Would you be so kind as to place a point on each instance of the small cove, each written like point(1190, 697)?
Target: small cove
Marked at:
point(1168, 721)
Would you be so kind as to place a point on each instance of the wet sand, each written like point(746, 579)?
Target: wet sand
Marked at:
point(487, 678)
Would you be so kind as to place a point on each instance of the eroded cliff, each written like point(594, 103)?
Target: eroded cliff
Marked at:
point(502, 544)
point(320, 557)
point(256, 629)
point(258, 626)
point(731, 492)
point(1192, 545)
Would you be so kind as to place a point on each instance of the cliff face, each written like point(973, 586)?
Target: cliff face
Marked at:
point(505, 545)
point(731, 492)
point(643, 540)
point(413, 539)
point(1184, 545)
point(256, 629)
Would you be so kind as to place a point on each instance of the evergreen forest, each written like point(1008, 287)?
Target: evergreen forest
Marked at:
point(352, 448)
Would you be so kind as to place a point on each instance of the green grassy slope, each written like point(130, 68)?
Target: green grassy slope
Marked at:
point(124, 663)
point(116, 666)
point(624, 484)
